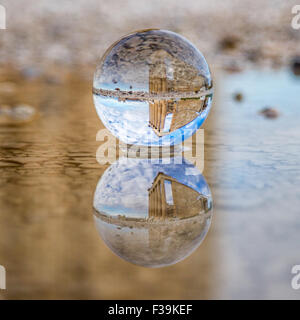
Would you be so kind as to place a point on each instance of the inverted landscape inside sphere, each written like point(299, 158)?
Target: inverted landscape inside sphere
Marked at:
point(139, 61)
point(152, 87)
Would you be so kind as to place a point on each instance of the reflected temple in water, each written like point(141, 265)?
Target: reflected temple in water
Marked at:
point(150, 213)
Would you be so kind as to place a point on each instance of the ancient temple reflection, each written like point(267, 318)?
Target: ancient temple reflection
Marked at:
point(169, 198)
point(152, 213)
point(168, 75)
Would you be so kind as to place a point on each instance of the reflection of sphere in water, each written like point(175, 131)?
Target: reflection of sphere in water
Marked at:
point(151, 244)
point(152, 87)
point(124, 187)
point(152, 213)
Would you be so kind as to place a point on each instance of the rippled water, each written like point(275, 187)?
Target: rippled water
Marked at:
point(48, 240)
point(257, 189)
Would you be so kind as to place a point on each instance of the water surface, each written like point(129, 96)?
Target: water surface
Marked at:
point(48, 240)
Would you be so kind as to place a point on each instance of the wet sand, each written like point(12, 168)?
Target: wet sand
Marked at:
point(49, 244)
point(48, 240)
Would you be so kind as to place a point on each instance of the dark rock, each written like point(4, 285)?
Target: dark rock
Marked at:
point(269, 113)
point(295, 65)
point(238, 96)
point(229, 42)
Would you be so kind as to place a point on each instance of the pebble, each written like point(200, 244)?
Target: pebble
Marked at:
point(229, 42)
point(269, 113)
point(238, 96)
point(14, 115)
point(295, 65)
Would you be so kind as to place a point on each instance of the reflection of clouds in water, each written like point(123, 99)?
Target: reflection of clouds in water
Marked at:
point(123, 188)
point(129, 121)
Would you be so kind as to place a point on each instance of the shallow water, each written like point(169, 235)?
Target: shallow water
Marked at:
point(49, 244)
point(257, 187)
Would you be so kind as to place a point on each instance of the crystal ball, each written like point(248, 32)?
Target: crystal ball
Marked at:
point(152, 87)
point(152, 213)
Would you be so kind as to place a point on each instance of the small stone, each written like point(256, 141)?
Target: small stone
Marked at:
point(238, 96)
point(229, 42)
point(269, 113)
point(14, 115)
point(295, 66)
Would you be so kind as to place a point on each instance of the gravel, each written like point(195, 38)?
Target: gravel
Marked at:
point(74, 34)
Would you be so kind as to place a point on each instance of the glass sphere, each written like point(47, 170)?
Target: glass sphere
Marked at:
point(152, 87)
point(152, 213)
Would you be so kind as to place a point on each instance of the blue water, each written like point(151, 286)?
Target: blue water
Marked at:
point(257, 184)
